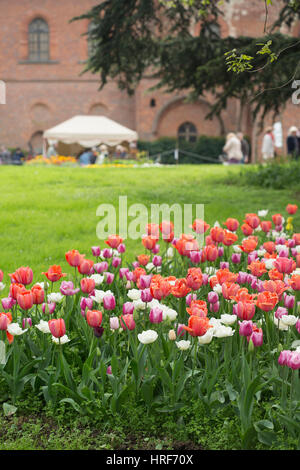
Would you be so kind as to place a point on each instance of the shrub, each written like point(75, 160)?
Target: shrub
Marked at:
point(208, 147)
point(272, 175)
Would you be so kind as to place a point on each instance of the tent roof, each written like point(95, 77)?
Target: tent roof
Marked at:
point(90, 131)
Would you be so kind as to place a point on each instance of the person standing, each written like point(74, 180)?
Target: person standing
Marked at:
point(292, 143)
point(5, 155)
point(18, 157)
point(51, 152)
point(245, 147)
point(268, 147)
point(233, 148)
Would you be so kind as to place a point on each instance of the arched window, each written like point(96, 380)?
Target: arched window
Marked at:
point(91, 41)
point(188, 132)
point(38, 40)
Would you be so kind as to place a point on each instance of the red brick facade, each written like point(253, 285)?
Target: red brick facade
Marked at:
point(41, 95)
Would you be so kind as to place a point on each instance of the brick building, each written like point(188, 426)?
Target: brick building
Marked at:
point(42, 56)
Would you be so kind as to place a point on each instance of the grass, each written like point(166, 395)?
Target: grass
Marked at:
point(48, 211)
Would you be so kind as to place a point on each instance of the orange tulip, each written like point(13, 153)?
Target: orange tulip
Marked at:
point(253, 220)
point(198, 308)
point(54, 273)
point(224, 275)
point(277, 219)
point(291, 208)
point(194, 278)
point(25, 299)
point(149, 242)
point(197, 326)
point(246, 229)
point(266, 301)
point(274, 275)
point(257, 268)
point(114, 241)
point(266, 225)
point(248, 245)
point(294, 282)
point(232, 224)
point(143, 259)
point(229, 238)
point(199, 226)
point(270, 247)
point(74, 258)
point(180, 289)
point(229, 290)
point(38, 294)
point(217, 234)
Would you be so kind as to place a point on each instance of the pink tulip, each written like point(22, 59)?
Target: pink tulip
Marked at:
point(109, 370)
point(121, 248)
point(123, 271)
point(57, 327)
point(67, 288)
point(156, 249)
point(214, 308)
point(96, 251)
point(86, 302)
point(257, 338)
point(128, 308)
point(107, 253)
point(114, 323)
point(284, 265)
point(4, 322)
point(283, 357)
point(101, 267)
point(293, 360)
point(26, 323)
point(127, 322)
point(8, 303)
point(144, 281)
point(298, 326)
point(289, 301)
point(109, 277)
point(48, 308)
point(189, 299)
point(146, 295)
point(242, 277)
point(157, 261)
point(212, 297)
point(236, 258)
point(116, 262)
point(280, 312)
point(156, 315)
point(109, 302)
point(245, 328)
point(195, 257)
point(205, 279)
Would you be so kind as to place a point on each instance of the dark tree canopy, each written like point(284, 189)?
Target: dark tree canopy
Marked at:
point(137, 38)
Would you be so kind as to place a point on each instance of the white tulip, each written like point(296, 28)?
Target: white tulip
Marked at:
point(289, 320)
point(223, 332)
point(134, 294)
point(63, 340)
point(139, 304)
point(97, 278)
point(237, 249)
point(147, 337)
point(207, 338)
point(170, 253)
point(227, 319)
point(170, 314)
point(183, 345)
point(43, 327)
point(15, 329)
point(55, 297)
point(99, 294)
point(2, 286)
point(218, 288)
point(263, 213)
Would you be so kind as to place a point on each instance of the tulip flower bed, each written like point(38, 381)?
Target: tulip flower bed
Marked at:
point(216, 324)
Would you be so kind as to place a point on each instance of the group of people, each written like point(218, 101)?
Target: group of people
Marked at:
point(11, 158)
point(236, 149)
point(292, 144)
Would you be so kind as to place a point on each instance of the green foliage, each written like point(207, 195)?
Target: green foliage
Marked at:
point(272, 175)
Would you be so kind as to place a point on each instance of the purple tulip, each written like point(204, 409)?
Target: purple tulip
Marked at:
point(180, 329)
point(280, 312)
point(242, 277)
point(96, 251)
point(67, 288)
point(109, 302)
point(156, 315)
point(214, 308)
point(284, 253)
point(189, 299)
point(245, 328)
point(156, 249)
point(8, 303)
point(123, 271)
point(48, 308)
point(252, 257)
point(291, 243)
point(195, 257)
point(116, 261)
point(86, 302)
point(236, 258)
point(289, 300)
point(157, 260)
point(101, 267)
point(106, 253)
point(128, 308)
point(297, 325)
point(98, 331)
point(135, 264)
point(109, 277)
point(278, 228)
point(283, 357)
point(257, 338)
point(280, 241)
point(146, 295)
point(224, 265)
point(121, 248)
point(129, 276)
point(220, 251)
point(212, 297)
point(145, 280)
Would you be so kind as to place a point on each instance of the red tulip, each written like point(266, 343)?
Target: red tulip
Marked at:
point(25, 299)
point(94, 318)
point(57, 327)
point(86, 266)
point(87, 285)
point(54, 273)
point(74, 258)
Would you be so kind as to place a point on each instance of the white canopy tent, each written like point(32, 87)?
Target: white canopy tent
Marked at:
point(90, 131)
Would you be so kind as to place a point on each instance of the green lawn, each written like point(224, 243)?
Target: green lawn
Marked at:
point(48, 211)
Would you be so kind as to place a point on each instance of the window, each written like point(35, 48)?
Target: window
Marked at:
point(187, 131)
point(91, 40)
point(152, 103)
point(38, 41)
